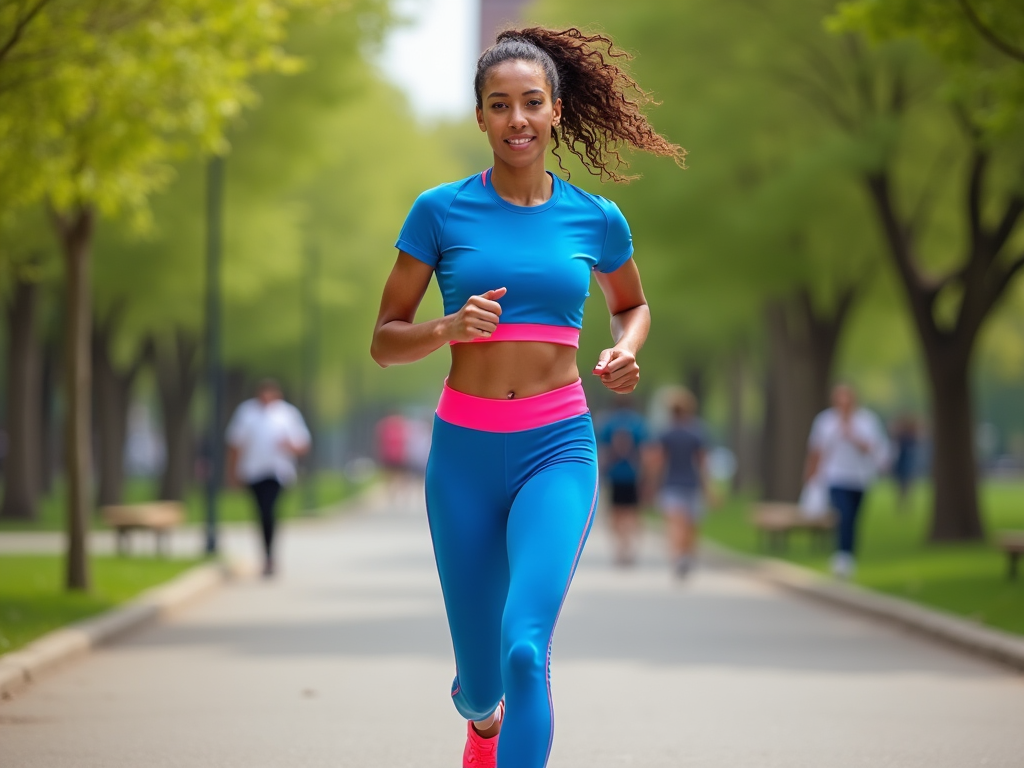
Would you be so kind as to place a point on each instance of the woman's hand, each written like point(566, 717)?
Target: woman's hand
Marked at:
point(478, 317)
point(618, 370)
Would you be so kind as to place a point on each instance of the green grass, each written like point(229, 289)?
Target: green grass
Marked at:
point(234, 504)
point(34, 602)
point(894, 556)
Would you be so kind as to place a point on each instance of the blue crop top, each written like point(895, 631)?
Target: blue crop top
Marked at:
point(477, 241)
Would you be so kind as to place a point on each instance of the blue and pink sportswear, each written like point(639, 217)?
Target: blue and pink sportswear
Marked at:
point(512, 485)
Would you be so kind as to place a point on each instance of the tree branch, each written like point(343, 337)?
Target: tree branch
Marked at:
point(900, 93)
point(993, 39)
point(20, 26)
point(921, 212)
point(920, 293)
point(1003, 281)
point(979, 165)
point(1014, 209)
point(820, 97)
point(862, 77)
point(143, 357)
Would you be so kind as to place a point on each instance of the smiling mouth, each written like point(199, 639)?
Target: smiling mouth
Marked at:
point(519, 141)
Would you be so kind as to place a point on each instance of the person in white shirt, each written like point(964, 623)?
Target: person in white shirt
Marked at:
point(848, 447)
point(265, 437)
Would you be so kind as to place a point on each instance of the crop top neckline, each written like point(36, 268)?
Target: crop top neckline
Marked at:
point(556, 192)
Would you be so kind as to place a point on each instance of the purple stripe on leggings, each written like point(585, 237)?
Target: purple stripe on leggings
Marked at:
point(572, 571)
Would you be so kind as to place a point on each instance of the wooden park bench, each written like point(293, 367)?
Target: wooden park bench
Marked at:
point(157, 516)
point(1012, 543)
point(775, 521)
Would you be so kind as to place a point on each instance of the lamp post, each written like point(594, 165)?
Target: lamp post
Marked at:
point(310, 357)
point(215, 389)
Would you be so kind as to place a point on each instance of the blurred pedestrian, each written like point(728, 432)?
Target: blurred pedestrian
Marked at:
point(905, 436)
point(848, 447)
point(417, 447)
point(512, 478)
point(393, 453)
point(265, 437)
point(622, 438)
point(680, 470)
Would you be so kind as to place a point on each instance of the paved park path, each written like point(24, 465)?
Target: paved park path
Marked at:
point(345, 661)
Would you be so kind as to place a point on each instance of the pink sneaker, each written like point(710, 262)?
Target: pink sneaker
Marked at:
point(481, 752)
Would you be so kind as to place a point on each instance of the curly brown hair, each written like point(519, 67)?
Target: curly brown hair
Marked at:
point(601, 104)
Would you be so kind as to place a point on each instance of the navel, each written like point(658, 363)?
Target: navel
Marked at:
point(510, 394)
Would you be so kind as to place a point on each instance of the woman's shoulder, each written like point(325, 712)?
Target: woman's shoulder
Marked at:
point(607, 208)
point(444, 194)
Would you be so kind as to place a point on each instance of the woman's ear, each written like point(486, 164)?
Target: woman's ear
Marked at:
point(480, 119)
point(556, 112)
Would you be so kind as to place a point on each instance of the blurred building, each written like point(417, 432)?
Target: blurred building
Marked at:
point(496, 15)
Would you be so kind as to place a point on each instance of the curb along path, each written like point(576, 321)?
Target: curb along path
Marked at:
point(22, 667)
point(994, 644)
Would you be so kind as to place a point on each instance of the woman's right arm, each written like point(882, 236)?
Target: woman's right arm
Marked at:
point(398, 339)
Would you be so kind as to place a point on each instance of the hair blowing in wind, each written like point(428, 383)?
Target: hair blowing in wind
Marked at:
point(602, 105)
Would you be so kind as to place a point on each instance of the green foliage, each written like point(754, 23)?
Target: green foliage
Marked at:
point(33, 602)
point(769, 204)
point(319, 179)
point(981, 43)
point(96, 98)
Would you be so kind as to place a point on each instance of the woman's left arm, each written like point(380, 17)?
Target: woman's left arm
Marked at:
point(631, 321)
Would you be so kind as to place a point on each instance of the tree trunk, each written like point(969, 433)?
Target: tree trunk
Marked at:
point(21, 467)
point(983, 280)
point(48, 451)
point(743, 436)
point(695, 378)
point(75, 230)
point(113, 390)
point(177, 376)
point(955, 514)
point(801, 351)
point(791, 403)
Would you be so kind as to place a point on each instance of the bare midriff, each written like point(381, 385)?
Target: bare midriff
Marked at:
point(501, 370)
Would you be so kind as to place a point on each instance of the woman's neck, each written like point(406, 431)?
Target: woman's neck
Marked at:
point(527, 186)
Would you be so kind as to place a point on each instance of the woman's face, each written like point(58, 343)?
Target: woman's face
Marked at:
point(518, 112)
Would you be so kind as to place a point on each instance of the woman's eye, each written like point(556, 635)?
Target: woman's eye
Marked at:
point(535, 102)
point(497, 105)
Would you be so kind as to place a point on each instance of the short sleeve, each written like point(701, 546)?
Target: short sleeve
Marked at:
point(421, 234)
point(618, 241)
point(235, 433)
point(880, 449)
point(297, 429)
point(818, 429)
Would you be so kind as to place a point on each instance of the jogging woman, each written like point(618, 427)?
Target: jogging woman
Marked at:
point(512, 478)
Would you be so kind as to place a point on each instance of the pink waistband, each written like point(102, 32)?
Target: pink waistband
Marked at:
point(515, 415)
point(567, 336)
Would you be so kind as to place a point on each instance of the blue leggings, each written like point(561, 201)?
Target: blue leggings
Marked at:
point(509, 514)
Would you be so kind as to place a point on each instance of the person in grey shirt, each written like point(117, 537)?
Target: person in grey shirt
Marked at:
point(680, 471)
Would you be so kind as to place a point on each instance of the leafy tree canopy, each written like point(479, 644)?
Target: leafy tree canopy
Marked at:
point(980, 41)
point(98, 97)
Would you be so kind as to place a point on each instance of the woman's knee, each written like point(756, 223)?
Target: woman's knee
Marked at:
point(524, 658)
